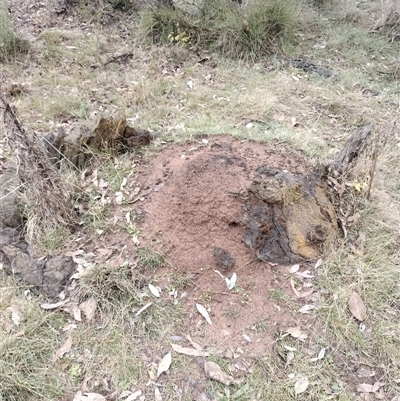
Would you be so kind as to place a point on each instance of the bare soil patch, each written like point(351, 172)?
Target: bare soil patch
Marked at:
point(194, 212)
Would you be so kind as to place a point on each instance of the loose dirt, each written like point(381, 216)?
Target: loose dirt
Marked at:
point(194, 211)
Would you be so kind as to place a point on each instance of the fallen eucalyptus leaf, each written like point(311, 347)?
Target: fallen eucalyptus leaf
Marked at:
point(294, 269)
point(357, 307)
point(295, 332)
point(134, 396)
point(214, 372)
point(318, 264)
point(193, 343)
point(143, 309)
point(53, 306)
point(301, 385)
point(157, 394)
point(64, 349)
point(232, 282)
point(154, 290)
point(306, 308)
point(189, 351)
point(164, 364)
point(89, 308)
point(204, 313)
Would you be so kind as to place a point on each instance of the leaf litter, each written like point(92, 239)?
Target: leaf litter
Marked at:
point(357, 307)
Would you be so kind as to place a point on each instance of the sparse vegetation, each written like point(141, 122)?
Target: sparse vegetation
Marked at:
point(151, 258)
point(238, 60)
point(10, 44)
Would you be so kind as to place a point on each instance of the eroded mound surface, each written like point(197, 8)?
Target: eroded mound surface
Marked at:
point(209, 210)
point(248, 199)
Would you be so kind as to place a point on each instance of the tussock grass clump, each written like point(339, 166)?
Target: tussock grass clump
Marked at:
point(242, 33)
point(10, 44)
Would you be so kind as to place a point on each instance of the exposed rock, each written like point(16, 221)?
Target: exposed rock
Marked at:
point(78, 144)
point(50, 275)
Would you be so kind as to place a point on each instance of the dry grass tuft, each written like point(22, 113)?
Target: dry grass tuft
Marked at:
point(44, 196)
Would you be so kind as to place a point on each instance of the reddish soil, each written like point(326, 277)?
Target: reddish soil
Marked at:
point(198, 197)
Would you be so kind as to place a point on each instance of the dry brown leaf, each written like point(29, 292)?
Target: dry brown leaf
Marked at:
point(213, 371)
point(189, 351)
point(75, 312)
point(89, 308)
point(65, 348)
point(357, 307)
point(295, 332)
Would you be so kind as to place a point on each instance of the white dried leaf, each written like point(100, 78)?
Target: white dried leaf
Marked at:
point(164, 364)
point(294, 331)
point(289, 357)
point(143, 309)
point(89, 308)
point(157, 394)
point(134, 396)
point(289, 348)
point(305, 274)
point(189, 351)
point(220, 274)
point(232, 282)
point(135, 240)
point(154, 290)
point(321, 354)
point(119, 197)
point(318, 264)
point(202, 310)
point(246, 337)
point(53, 306)
point(306, 308)
point(301, 385)
point(124, 394)
point(128, 217)
point(294, 269)
point(123, 183)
